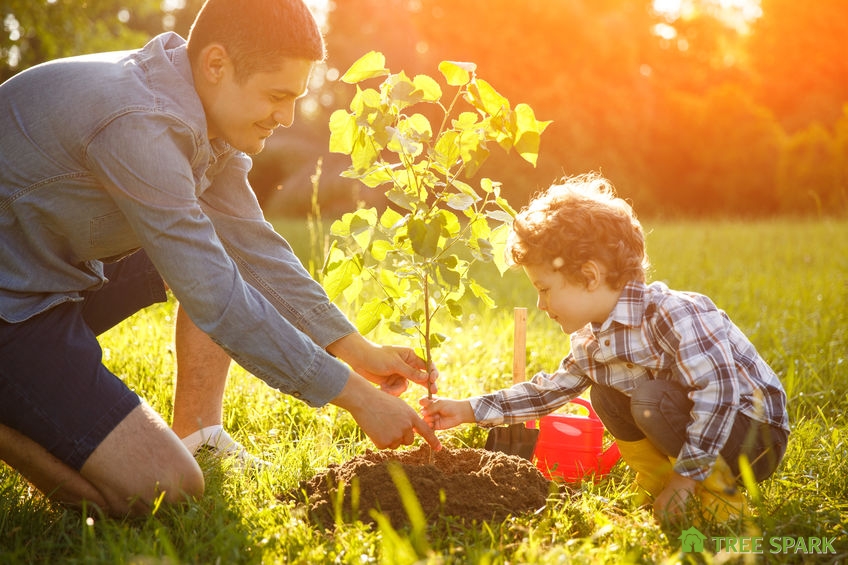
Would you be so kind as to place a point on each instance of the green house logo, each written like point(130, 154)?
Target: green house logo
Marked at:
point(692, 540)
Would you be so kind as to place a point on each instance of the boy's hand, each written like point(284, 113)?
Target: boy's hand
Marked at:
point(670, 505)
point(441, 413)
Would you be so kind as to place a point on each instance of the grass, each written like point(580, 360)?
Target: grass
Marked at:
point(785, 283)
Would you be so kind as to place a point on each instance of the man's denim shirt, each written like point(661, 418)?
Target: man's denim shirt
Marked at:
point(103, 154)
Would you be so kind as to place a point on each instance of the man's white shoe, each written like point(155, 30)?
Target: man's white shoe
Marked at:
point(216, 441)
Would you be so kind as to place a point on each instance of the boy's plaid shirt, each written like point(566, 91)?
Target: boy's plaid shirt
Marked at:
point(657, 333)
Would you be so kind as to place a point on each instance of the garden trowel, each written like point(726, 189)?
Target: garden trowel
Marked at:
point(515, 439)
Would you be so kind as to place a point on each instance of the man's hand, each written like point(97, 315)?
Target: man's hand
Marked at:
point(388, 366)
point(441, 413)
point(670, 505)
point(388, 421)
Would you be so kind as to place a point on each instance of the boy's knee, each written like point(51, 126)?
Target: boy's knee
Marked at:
point(655, 399)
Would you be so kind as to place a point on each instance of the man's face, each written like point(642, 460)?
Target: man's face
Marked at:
point(246, 113)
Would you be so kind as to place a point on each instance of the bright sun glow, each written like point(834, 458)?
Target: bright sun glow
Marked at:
point(738, 13)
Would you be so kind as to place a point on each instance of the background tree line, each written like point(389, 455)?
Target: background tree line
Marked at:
point(693, 110)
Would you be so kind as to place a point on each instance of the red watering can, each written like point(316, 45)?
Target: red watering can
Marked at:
point(565, 446)
point(571, 447)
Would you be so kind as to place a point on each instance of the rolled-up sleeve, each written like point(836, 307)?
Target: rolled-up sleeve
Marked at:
point(236, 278)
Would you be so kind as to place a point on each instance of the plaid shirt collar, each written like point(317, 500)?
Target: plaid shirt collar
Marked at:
point(630, 308)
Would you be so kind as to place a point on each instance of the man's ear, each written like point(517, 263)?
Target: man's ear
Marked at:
point(213, 62)
point(593, 274)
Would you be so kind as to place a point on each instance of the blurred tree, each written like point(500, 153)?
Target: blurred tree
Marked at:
point(670, 105)
point(718, 154)
point(35, 31)
point(809, 173)
point(581, 64)
point(798, 52)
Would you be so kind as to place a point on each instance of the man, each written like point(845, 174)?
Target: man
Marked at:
point(122, 173)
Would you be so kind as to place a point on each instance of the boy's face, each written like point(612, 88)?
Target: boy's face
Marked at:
point(246, 113)
point(571, 305)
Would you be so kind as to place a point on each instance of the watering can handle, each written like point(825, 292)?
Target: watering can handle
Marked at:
point(587, 405)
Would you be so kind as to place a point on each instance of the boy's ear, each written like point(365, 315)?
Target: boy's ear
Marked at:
point(593, 274)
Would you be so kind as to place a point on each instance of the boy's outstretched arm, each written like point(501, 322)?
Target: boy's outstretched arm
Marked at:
point(442, 413)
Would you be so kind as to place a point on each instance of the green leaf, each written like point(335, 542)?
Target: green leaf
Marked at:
point(504, 205)
point(340, 275)
point(466, 189)
point(424, 236)
point(482, 96)
point(371, 314)
point(473, 152)
point(482, 293)
point(389, 219)
point(528, 133)
point(354, 290)
point(450, 223)
point(488, 185)
point(380, 249)
point(436, 339)
point(362, 229)
point(399, 91)
point(364, 153)
point(410, 135)
point(392, 284)
point(499, 216)
point(370, 65)
point(381, 174)
point(448, 275)
point(459, 201)
point(446, 150)
point(457, 73)
point(343, 130)
point(401, 199)
point(498, 239)
point(455, 309)
point(466, 120)
point(429, 88)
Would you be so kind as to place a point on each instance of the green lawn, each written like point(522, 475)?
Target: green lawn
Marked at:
point(784, 282)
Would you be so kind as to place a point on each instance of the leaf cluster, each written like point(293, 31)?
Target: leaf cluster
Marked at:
point(411, 262)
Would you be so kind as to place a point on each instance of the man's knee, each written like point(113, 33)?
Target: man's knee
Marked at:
point(140, 461)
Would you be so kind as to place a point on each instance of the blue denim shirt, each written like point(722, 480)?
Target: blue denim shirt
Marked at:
point(103, 154)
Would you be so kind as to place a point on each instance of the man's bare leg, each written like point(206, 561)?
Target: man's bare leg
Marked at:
point(202, 369)
point(48, 474)
point(138, 461)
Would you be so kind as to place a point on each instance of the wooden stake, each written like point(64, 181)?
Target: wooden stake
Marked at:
point(519, 347)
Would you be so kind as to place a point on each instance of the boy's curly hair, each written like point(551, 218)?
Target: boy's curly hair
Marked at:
point(578, 220)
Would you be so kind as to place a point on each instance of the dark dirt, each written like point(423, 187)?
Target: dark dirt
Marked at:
point(463, 484)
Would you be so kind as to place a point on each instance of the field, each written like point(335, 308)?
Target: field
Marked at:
point(784, 282)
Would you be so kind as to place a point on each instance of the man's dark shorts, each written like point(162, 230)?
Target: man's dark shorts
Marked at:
point(54, 388)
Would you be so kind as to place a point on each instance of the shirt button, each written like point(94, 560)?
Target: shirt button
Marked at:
point(296, 394)
point(606, 342)
point(630, 365)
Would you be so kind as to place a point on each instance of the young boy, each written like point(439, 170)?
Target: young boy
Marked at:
point(671, 377)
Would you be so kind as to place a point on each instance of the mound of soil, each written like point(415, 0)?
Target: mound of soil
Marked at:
point(464, 484)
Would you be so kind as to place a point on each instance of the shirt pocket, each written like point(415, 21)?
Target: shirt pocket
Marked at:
point(111, 237)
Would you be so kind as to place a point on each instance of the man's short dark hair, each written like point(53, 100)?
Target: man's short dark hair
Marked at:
point(257, 33)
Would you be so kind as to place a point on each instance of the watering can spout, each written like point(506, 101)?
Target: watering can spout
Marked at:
point(609, 458)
